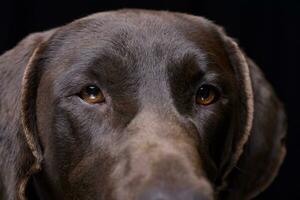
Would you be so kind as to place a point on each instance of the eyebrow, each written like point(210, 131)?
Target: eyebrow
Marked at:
point(191, 64)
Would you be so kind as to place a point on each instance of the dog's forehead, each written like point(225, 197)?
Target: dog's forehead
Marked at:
point(143, 44)
point(140, 34)
point(136, 30)
point(149, 21)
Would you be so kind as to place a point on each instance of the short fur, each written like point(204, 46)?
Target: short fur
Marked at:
point(149, 139)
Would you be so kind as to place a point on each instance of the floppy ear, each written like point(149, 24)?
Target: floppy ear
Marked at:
point(28, 114)
point(20, 153)
point(260, 150)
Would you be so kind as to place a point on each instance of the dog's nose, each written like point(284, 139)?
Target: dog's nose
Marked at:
point(174, 194)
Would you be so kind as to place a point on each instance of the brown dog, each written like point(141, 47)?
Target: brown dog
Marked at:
point(136, 105)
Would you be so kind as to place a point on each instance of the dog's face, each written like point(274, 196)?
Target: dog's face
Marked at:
point(136, 108)
point(139, 105)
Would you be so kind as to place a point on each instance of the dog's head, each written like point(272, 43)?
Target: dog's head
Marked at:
point(147, 105)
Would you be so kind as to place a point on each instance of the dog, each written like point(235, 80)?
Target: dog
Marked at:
point(136, 105)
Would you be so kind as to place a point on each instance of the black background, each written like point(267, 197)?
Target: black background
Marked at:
point(269, 31)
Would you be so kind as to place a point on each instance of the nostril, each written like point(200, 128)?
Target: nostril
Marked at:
point(155, 194)
point(179, 194)
point(193, 195)
point(198, 196)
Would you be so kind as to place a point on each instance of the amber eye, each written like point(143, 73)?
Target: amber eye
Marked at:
point(92, 94)
point(206, 95)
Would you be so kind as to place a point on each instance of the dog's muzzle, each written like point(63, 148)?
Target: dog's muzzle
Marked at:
point(160, 161)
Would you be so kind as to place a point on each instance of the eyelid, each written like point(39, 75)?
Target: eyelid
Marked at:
point(210, 83)
point(215, 79)
point(72, 81)
point(73, 87)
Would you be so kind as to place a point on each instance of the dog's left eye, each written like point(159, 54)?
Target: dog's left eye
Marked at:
point(206, 94)
point(92, 94)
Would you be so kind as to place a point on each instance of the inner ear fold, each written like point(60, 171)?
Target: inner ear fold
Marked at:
point(29, 86)
point(245, 109)
point(28, 111)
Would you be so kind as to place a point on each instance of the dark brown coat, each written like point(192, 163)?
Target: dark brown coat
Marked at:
point(149, 139)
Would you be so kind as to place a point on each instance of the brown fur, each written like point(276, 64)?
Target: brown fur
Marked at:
point(149, 138)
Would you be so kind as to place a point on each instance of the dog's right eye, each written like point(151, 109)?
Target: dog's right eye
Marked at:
point(92, 95)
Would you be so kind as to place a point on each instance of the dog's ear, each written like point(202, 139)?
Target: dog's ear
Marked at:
point(258, 147)
point(21, 79)
point(30, 84)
